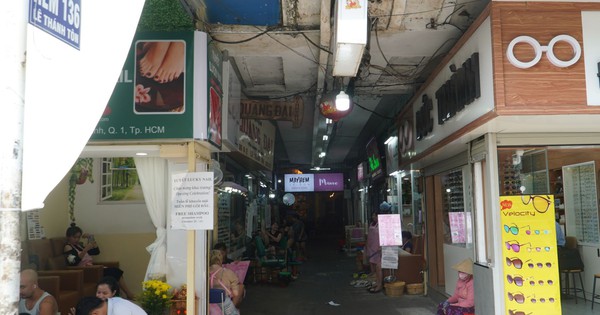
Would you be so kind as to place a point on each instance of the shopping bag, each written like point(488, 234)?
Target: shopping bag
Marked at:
point(240, 268)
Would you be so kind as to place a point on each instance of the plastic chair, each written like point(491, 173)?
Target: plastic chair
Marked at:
point(277, 263)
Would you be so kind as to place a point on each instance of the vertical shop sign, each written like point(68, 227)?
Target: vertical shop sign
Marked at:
point(192, 201)
point(531, 279)
point(215, 95)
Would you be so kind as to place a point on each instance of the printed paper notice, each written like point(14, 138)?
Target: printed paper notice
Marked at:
point(192, 201)
point(390, 230)
point(389, 257)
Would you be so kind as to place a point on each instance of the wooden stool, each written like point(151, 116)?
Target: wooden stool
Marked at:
point(594, 295)
point(575, 289)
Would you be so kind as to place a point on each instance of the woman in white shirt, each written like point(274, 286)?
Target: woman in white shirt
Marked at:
point(112, 306)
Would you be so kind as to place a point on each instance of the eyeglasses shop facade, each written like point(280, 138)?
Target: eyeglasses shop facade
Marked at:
point(506, 139)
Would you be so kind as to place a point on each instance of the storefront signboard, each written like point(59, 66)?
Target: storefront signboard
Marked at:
point(161, 99)
point(531, 278)
point(192, 201)
point(215, 96)
point(314, 182)
point(329, 182)
point(391, 154)
point(374, 159)
point(257, 141)
point(299, 182)
point(274, 110)
point(460, 93)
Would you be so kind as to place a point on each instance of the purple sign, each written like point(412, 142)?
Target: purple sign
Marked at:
point(329, 182)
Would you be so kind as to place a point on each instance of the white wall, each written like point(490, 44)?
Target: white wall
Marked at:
point(452, 256)
point(102, 218)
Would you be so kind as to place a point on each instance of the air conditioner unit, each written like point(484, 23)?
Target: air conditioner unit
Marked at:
point(350, 36)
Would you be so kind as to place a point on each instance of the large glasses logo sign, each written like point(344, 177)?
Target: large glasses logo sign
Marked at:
point(539, 50)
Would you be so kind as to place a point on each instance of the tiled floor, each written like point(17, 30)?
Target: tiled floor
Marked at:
point(323, 288)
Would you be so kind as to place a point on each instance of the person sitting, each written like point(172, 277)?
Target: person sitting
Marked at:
point(463, 299)
point(34, 300)
point(92, 305)
point(407, 244)
point(106, 288)
point(223, 278)
point(272, 237)
point(223, 249)
point(76, 254)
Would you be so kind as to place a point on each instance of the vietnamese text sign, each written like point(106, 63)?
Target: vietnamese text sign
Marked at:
point(274, 110)
point(192, 201)
point(390, 230)
point(61, 19)
point(530, 254)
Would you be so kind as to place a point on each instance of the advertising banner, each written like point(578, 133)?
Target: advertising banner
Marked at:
point(531, 278)
point(164, 90)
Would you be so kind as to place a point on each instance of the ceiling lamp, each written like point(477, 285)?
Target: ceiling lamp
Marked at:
point(350, 36)
point(342, 101)
point(329, 107)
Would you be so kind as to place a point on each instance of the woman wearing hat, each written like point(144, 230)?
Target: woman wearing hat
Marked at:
point(463, 299)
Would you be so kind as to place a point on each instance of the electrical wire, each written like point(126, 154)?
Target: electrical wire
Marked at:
point(372, 111)
point(315, 44)
point(240, 41)
point(286, 96)
point(398, 74)
point(427, 11)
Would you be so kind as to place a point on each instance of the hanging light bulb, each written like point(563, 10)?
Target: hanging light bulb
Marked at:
point(342, 102)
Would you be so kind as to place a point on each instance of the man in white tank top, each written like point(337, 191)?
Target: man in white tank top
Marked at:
point(35, 301)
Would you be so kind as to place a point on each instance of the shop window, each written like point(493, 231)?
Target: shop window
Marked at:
point(523, 171)
point(580, 199)
point(568, 174)
point(457, 221)
point(120, 181)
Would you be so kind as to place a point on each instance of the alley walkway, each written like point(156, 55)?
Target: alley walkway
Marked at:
point(325, 278)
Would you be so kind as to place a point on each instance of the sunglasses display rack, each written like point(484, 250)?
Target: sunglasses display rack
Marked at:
point(453, 186)
point(510, 179)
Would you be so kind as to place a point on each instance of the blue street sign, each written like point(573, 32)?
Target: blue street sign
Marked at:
point(59, 18)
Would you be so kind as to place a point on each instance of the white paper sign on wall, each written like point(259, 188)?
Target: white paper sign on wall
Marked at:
point(192, 201)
